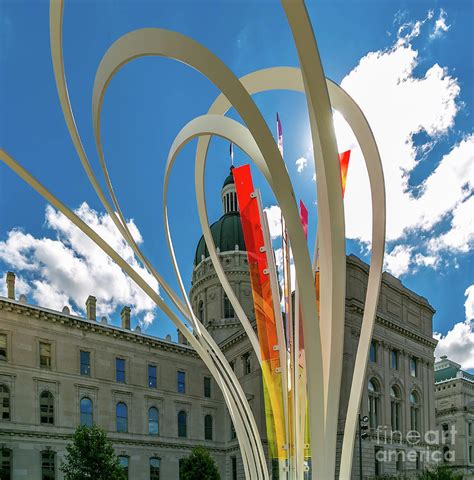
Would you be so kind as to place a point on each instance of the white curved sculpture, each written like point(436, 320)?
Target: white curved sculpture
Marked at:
point(323, 331)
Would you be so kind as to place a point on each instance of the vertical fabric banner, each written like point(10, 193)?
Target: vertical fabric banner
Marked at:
point(264, 312)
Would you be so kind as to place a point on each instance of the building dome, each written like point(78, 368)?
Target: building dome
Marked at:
point(227, 234)
point(230, 179)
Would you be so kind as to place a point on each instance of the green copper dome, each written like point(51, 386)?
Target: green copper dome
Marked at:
point(226, 232)
point(230, 178)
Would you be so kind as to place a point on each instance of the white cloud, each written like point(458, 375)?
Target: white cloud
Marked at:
point(398, 260)
point(67, 269)
point(458, 343)
point(274, 220)
point(440, 25)
point(399, 105)
point(301, 164)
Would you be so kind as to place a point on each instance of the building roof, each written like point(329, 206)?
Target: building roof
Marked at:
point(226, 233)
point(229, 179)
point(446, 369)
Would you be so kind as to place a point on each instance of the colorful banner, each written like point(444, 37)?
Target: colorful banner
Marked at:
point(264, 313)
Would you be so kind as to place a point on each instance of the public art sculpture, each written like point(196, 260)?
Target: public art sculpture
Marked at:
point(302, 366)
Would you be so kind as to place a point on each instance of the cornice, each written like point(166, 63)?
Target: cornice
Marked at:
point(72, 321)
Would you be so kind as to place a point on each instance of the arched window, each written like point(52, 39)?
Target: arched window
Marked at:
point(228, 309)
point(201, 311)
point(86, 412)
point(395, 408)
point(47, 408)
point(182, 424)
point(155, 468)
point(4, 403)
point(123, 461)
point(208, 427)
point(153, 428)
point(374, 403)
point(122, 417)
point(415, 411)
point(5, 464)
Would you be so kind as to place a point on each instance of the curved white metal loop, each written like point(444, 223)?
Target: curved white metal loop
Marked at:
point(159, 42)
point(56, 9)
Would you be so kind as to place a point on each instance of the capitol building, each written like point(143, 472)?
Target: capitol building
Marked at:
point(157, 400)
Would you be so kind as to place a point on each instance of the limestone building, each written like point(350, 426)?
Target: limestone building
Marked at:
point(454, 397)
point(157, 400)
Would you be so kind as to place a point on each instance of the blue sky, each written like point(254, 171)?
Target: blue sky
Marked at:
point(408, 64)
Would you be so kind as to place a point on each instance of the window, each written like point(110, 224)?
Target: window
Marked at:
point(122, 417)
point(234, 468)
point(378, 460)
point(413, 367)
point(4, 402)
point(228, 309)
point(233, 435)
point(123, 461)
point(201, 311)
point(469, 429)
point(5, 464)
point(247, 364)
point(181, 377)
point(395, 408)
point(394, 359)
point(120, 370)
point(373, 351)
point(47, 408)
point(208, 427)
point(399, 461)
point(3, 347)
point(182, 424)
point(415, 411)
point(207, 387)
point(45, 355)
point(48, 467)
point(86, 412)
point(85, 363)
point(152, 376)
point(153, 428)
point(155, 468)
point(418, 464)
point(471, 460)
point(374, 403)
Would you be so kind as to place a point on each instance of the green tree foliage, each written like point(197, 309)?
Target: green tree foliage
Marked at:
point(91, 456)
point(440, 473)
point(199, 466)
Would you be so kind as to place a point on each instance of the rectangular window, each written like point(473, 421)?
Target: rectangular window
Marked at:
point(471, 459)
point(207, 387)
point(418, 465)
point(120, 370)
point(123, 461)
point(246, 362)
point(45, 355)
point(399, 461)
point(234, 468)
point(85, 363)
point(181, 377)
point(3, 347)
point(379, 454)
point(48, 467)
point(413, 367)
point(373, 351)
point(152, 376)
point(469, 429)
point(394, 359)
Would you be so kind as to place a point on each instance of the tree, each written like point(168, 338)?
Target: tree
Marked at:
point(440, 473)
point(91, 456)
point(199, 466)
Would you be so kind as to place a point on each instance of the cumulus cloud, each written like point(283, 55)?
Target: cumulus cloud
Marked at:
point(400, 104)
point(441, 25)
point(301, 164)
point(458, 343)
point(66, 269)
point(398, 260)
point(274, 220)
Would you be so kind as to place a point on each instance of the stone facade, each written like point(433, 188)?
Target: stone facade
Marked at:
point(454, 397)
